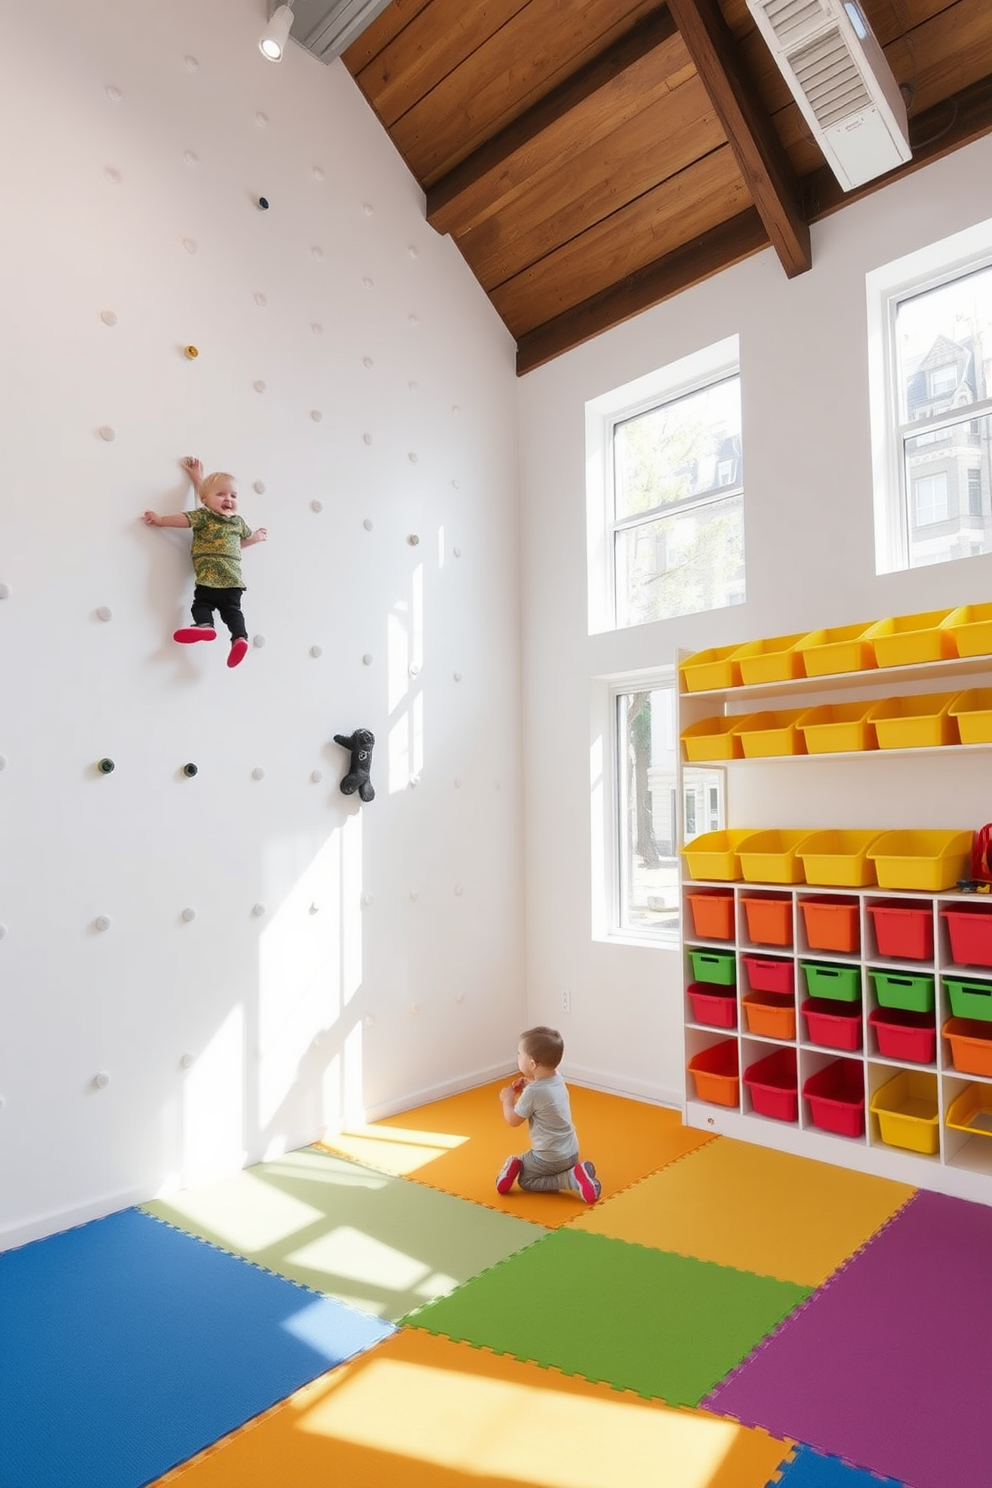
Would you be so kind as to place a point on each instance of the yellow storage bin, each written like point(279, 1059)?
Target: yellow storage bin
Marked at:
point(772, 660)
point(908, 640)
point(836, 728)
point(971, 1111)
point(765, 734)
point(771, 857)
point(914, 722)
point(971, 627)
point(714, 854)
point(713, 739)
point(906, 1108)
point(843, 649)
point(929, 860)
point(973, 712)
point(837, 859)
point(708, 670)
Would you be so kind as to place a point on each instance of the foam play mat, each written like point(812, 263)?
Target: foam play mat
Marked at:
point(665, 1326)
point(459, 1145)
point(461, 1417)
point(754, 1209)
point(379, 1242)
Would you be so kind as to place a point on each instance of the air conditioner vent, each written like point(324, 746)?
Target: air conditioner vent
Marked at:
point(832, 84)
point(789, 18)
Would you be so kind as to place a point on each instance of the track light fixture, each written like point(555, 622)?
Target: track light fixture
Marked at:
point(276, 34)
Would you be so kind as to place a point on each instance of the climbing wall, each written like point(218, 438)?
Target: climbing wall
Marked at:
point(209, 953)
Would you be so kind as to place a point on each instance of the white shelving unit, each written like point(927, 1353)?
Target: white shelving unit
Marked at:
point(848, 782)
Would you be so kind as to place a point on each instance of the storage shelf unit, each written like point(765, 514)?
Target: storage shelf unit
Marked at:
point(926, 1087)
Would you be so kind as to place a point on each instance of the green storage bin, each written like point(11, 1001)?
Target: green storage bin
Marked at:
point(714, 966)
point(970, 999)
point(900, 989)
point(823, 979)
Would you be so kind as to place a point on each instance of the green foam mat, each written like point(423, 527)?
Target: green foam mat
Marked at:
point(666, 1326)
point(383, 1244)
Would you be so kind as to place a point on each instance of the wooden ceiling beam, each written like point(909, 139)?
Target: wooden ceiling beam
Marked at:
point(484, 182)
point(695, 261)
point(761, 158)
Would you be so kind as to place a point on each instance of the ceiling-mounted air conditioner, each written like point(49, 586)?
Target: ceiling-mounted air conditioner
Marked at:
point(838, 75)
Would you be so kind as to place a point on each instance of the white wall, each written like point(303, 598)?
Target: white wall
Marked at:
point(810, 563)
point(386, 965)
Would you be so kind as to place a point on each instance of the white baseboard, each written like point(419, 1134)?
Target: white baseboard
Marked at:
point(427, 1094)
point(70, 1218)
point(610, 1084)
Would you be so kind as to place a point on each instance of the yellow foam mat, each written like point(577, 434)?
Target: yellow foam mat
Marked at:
point(459, 1144)
point(754, 1209)
point(423, 1412)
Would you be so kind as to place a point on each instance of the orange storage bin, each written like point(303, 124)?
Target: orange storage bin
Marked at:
point(971, 1045)
point(712, 915)
point(716, 1074)
point(769, 920)
point(769, 1016)
point(832, 924)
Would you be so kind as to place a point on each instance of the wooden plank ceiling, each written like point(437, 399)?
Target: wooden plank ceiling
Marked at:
point(592, 157)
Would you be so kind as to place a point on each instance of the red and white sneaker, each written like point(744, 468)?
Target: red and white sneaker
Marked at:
point(190, 633)
point(586, 1182)
point(239, 650)
point(508, 1175)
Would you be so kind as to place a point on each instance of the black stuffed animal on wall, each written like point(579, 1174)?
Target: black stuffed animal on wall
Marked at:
point(357, 779)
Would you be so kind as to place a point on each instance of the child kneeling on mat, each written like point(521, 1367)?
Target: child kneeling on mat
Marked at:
point(219, 534)
point(540, 1097)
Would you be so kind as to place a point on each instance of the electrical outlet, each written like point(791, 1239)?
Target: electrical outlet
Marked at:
point(566, 1000)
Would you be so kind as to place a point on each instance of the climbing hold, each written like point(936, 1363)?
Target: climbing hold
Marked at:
point(316, 651)
point(317, 328)
point(107, 433)
point(258, 773)
point(367, 524)
point(456, 552)
point(189, 244)
point(102, 1080)
point(316, 415)
point(368, 363)
point(318, 173)
point(187, 1061)
point(191, 352)
point(259, 386)
point(360, 743)
point(263, 202)
point(367, 659)
point(259, 488)
point(108, 317)
point(412, 457)
point(261, 300)
point(105, 766)
point(189, 915)
point(317, 251)
point(3, 762)
point(191, 157)
point(368, 282)
point(258, 641)
point(104, 613)
point(4, 591)
point(316, 776)
point(114, 93)
point(261, 119)
point(366, 438)
point(316, 506)
point(191, 64)
point(413, 540)
point(457, 676)
point(189, 770)
point(258, 910)
point(3, 931)
point(102, 922)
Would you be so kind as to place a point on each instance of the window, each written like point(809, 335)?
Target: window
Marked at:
point(666, 493)
point(647, 833)
point(930, 498)
point(930, 349)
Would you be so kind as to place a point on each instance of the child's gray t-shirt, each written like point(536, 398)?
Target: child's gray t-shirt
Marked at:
point(544, 1105)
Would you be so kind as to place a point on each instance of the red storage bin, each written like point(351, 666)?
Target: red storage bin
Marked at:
point(712, 1006)
point(903, 930)
point(836, 1096)
point(768, 974)
point(716, 1074)
point(832, 924)
point(905, 1035)
point(835, 1025)
point(774, 1086)
point(970, 931)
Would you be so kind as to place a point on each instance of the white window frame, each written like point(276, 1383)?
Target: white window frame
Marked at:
point(921, 480)
point(927, 268)
point(687, 375)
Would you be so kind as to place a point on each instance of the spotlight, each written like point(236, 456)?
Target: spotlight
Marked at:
point(276, 34)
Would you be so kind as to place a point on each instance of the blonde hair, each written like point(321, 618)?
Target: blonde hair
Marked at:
point(544, 1045)
point(210, 482)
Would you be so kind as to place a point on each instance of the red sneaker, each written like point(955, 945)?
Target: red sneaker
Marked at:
point(190, 633)
point(508, 1175)
point(239, 650)
point(584, 1175)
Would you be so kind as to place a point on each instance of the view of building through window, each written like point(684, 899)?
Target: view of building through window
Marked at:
point(647, 816)
point(943, 355)
point(678, 485)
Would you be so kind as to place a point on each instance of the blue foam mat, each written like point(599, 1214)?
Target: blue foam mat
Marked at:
point(126, 1346)
point(812, 1469)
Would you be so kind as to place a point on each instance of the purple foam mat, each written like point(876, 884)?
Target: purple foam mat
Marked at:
point(889, 1364)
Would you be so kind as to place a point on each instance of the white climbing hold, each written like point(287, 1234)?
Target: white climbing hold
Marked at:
point(259, 386)
point(316, 506)
point(105, 613)
point(316, 776)
point(368, 524)
point(367, 659)
point(316, 651)
point(102, 922)
point(258, 641)
point(259, 488)
point(102, 1080)
point(258, 773)
point(189, 915)
point(108, 317)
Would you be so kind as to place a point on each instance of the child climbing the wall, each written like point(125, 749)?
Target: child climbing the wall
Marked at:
point(540, 1097)
point(219, 534)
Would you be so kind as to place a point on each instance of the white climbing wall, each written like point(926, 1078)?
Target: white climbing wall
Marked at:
point(201, 969)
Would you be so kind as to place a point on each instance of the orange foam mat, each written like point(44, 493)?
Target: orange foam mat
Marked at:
point(459, 1144)
point(424, 1412)
point(755, 1209)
